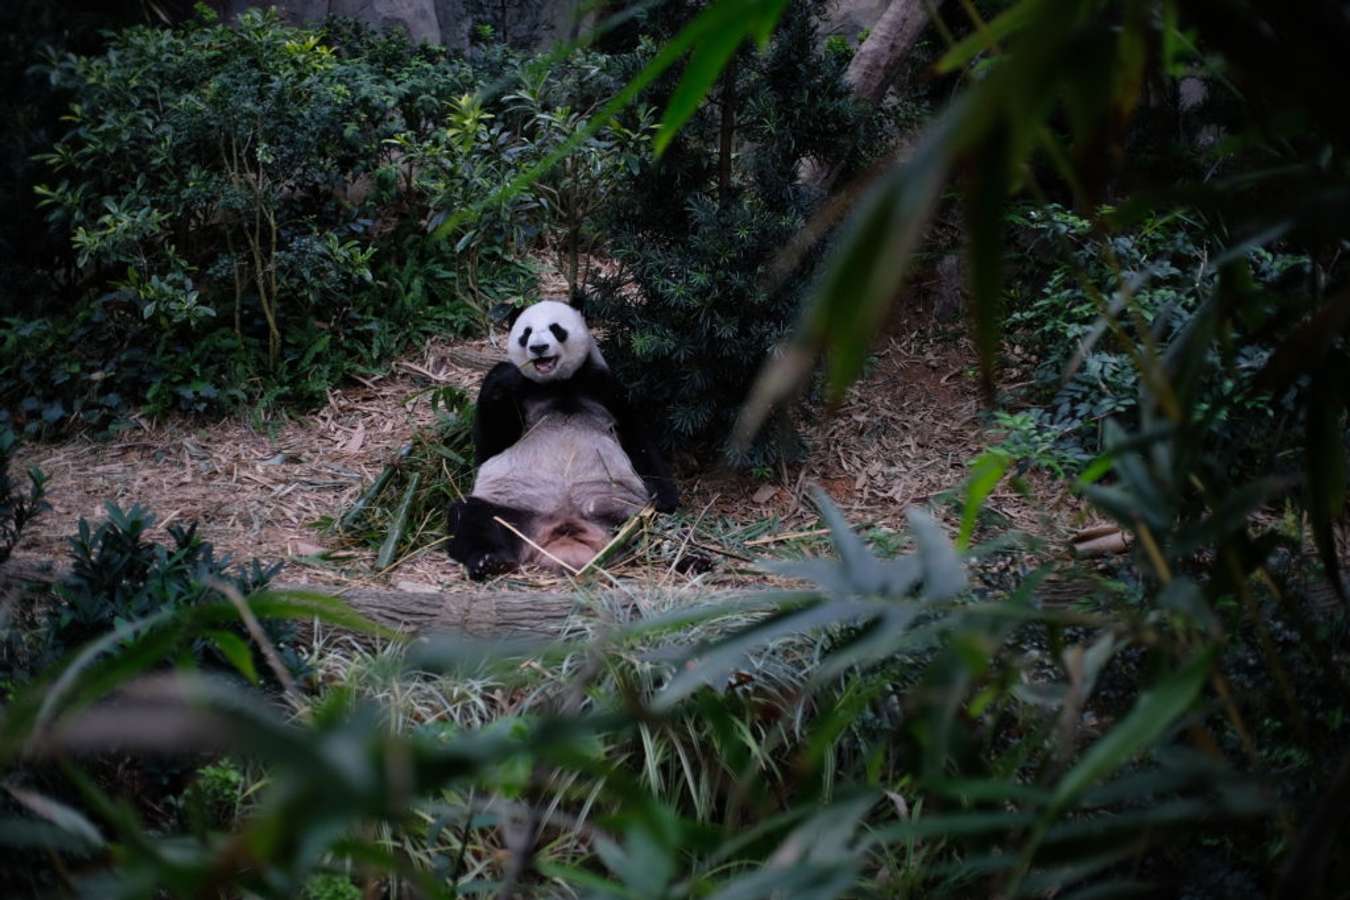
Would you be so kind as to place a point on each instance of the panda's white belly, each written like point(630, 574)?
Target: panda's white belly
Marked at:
point(567, 464)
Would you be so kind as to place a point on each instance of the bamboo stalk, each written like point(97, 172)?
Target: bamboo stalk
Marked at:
point(350, 517)
point(639, 519)
point(400, 522)
point(789, 536)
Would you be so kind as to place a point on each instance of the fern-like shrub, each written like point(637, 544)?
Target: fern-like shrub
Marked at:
point(693, 311)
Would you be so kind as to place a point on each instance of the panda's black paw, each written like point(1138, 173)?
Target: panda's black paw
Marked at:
point(665, 495)
point(483, 567)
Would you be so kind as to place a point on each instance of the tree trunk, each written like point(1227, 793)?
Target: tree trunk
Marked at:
point(887, 43)
point(870, 71)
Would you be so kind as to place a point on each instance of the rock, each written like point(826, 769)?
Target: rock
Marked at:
point(416, 17)
point(419, 18)
point(526, 24)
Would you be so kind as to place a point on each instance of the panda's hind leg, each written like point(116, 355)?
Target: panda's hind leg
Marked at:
point(484, 545)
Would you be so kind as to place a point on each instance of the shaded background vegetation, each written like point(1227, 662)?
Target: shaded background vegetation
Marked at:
point(1153, 197)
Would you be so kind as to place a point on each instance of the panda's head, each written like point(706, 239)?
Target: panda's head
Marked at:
point(550, 342)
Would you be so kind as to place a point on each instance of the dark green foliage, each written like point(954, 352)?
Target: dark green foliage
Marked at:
point(1151, 280)
point(529, 107)
point(244, 211)
point(886, 724)
point(942, 723)
point(17, 507)
point(117, 576)
point(404, 507)
point(695, 309)
point(330, 887)
point(212, 799)
point(30, 121)
point(222, 246)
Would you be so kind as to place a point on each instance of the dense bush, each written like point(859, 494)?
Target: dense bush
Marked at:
point(1083, 306)
point(30, 121)
point(118, 577)
point(17, 506)
point(203, 190)
point(939, 723)
point(889, 728)
point(246, 210)
point(695, 310)
point(534, 107)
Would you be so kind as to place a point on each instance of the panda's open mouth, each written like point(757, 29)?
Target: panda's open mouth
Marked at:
point(545, 365)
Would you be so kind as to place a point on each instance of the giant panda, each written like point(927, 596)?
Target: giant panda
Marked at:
point(561, 454)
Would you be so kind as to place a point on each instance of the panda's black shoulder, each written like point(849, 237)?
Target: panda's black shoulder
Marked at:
point(504, 381)
point(596, 382)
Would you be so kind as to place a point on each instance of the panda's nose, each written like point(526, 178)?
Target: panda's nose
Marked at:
point(538, 349)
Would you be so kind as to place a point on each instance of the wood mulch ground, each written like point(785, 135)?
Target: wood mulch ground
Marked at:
point(901, 437)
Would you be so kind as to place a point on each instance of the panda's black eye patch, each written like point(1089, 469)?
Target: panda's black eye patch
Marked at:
point(559, 332)
point(525, 335)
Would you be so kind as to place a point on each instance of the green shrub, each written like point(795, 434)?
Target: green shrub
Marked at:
point(246, 210)
point(117, 577)
point(537, 105)
point(327, 886)
point(220, 251)
point(695, 310)
point(212, 799)
point(17, 507)
point(1152, 279)
point(30, 121)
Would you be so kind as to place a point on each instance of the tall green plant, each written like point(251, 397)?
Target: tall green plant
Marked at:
point(228, 197)
point(694, 310)
point(17, 507)
point(892, 732)
point(1051, 89)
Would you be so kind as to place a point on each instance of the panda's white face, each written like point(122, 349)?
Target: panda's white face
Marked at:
point(550, 341)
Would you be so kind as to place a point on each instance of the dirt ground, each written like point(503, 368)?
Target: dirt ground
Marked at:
point(902, 437)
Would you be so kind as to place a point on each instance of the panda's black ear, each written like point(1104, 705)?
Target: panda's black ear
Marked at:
point(577, 300)
point(504, 315)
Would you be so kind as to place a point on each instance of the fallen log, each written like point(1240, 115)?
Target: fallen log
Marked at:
point(1104, 540)
point(484, 613)
point(481, 612)
point(471, 358)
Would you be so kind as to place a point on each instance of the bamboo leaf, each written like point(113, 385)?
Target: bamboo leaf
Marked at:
point(68, 819)
point(705, 65)
point(710, 666)
point(944, 575)
point(989, 36)
point(986, 203)
point(988, 470)
point(857, 561)
point(358, 509)
point(301, 605)
point(236, 651)
point(389, 549)
point(1152, 715)
point(862, 275)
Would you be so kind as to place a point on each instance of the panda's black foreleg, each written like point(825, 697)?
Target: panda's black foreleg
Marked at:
point(651, 464)
point(498, 420)
point(484, 545)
